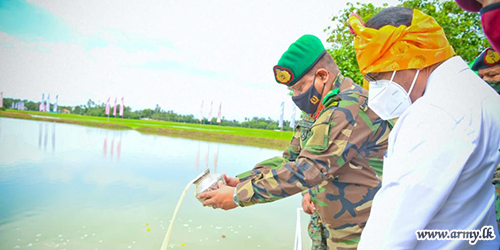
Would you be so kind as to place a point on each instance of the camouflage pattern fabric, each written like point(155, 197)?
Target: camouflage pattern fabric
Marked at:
point(317, 232)
point(496, 182)
point(337, 163)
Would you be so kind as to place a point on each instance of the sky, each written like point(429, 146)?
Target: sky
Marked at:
point(172, 53)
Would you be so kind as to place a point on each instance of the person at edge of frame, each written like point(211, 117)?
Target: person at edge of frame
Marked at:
point(490, 17)
point(445, 146)
point(487, 66)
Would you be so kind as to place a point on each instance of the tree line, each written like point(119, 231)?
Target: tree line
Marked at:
point(463, 31)
point(93, 109)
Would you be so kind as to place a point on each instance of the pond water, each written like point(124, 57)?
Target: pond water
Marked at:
point(66, 186)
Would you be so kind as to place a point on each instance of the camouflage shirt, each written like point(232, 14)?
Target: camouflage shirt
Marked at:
point(337, 160)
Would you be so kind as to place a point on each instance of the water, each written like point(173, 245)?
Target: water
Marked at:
point(66, 186)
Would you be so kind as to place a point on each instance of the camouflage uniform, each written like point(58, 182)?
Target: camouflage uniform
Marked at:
point(496, 182)
point(316, 230)
point(337, 163)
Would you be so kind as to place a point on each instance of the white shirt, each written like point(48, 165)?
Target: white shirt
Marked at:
point(439, 165)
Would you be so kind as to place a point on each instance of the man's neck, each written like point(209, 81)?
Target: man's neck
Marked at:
point(335, 83)
point(332, 85)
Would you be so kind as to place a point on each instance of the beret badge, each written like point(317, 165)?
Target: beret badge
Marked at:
point(283, 75)
point(491, 58)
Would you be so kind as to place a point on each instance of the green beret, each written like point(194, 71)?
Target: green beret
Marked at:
point(300, 57)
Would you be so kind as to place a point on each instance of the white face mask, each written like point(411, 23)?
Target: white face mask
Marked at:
point(388, 99)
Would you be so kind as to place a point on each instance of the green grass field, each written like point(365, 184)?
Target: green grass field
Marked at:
point(248, 136)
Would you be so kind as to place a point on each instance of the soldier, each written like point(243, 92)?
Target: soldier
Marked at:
point(487, 66)
point(316, 229)
point(490, 17)
point(333, 160)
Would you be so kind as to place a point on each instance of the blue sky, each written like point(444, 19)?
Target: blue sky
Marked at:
point(171, 53)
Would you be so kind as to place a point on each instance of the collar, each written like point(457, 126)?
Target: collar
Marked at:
point(336, 83)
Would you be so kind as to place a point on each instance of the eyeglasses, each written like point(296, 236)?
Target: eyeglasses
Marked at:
point(371, 77)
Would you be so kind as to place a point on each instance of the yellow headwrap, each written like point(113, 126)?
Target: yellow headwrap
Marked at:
point(391, 48)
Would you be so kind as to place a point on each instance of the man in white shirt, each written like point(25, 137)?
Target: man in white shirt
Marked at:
point(446, 144)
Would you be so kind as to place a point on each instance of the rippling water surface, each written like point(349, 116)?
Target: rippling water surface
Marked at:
point(66, 186)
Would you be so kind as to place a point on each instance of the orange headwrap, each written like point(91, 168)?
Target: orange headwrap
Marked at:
point(391, 48)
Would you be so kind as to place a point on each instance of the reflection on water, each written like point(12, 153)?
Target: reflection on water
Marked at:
point(53, 137)
point(95, 192)
point(119, 147)
point(207, 157)
point(105, 147)
point(43, 132)
point(198, 158)
point(216, 158)
point(112, 146)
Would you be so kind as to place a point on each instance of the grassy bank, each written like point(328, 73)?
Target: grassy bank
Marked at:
point(215, 133)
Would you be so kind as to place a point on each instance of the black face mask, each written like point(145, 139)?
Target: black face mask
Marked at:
point(309, 100)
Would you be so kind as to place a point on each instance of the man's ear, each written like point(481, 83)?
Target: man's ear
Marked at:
point(322, 75)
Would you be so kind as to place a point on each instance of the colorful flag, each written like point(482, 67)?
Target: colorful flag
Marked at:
point(47, 104)
point(201, 111)
point(107, 107)
point(55, 104)
point(122, 107)
point(210, 113)
point(292, 120)
point(282, 114)
point(219, 115)
point(114, 107)
point(1, 99)
point(42, 104)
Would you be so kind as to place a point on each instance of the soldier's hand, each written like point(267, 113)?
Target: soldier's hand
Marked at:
point(307, 204)
point(220, 198)
point(491, 74)
point(230, 181)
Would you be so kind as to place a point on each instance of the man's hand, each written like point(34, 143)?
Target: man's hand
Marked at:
point(307, 204)
point(220, 198)
point(230, 181)
point(491, 74)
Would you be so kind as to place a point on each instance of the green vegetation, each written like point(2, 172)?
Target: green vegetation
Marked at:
point(462, 28)
point(92, 109)
point(236, 135)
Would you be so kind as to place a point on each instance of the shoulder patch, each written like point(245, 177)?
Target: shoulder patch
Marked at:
point(283, 75)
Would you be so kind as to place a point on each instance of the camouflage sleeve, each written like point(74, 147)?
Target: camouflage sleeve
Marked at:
point(496, 176)
point(293, 150)
point(290, 154)
point(328, 147)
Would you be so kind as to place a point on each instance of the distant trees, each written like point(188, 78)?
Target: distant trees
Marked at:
point(93, 109)
point(462, 28)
